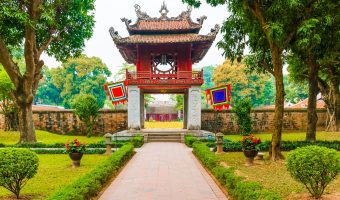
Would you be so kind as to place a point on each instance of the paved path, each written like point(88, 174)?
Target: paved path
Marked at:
point(162, 171)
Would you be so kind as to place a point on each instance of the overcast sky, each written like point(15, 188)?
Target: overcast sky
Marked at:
point(109, 12)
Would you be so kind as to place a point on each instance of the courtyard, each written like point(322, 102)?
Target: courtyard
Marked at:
point(156, 100)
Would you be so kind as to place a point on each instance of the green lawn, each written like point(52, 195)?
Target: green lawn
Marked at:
point(290, 136)
point(54, 172)
point(12, 137)
point(272, 175)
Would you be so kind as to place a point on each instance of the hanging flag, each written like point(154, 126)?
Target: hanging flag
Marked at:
point(219, 97)
point(116, 92)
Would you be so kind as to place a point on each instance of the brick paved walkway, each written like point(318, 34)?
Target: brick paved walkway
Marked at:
point(162, 171)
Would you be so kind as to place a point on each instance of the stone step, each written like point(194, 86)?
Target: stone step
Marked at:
point(164, 134)
point(166, 137)
point(164, 140)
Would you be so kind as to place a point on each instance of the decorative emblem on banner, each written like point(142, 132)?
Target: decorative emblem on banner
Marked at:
point(219, 97)
point(116, 92)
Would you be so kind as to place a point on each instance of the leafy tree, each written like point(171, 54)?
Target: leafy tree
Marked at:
point(7, 105)
point(295, 91)
point(86, 108)
point(315, 58)
point(81, 75)
point(120, 75)
point(56, 27)
point(47, 92)
point(244, 83)
point(260, 25)
point(208, 83)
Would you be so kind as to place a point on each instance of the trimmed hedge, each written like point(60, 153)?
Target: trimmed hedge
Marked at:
point(237, 188)
point(189, 140)
point(91, 183)
point(137, 141)
point(62, 151)
point(285, 145)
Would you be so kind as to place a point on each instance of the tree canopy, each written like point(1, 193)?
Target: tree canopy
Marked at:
point(81, 75)
point(56, 27)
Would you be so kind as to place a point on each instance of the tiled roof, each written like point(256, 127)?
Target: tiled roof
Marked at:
point(168, 38)
point(164, 25)
point(46, 108)
point(304, 104)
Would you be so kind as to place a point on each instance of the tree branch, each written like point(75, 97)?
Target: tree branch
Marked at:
point(265, 64)
point(48, 41)
point(11, 68)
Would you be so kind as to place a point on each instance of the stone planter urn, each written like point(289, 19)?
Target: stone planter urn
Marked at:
point(250, 155)
point(75, 157)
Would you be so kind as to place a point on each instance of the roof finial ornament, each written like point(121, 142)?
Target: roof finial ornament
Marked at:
point(215, 30)
point(201, 19)
point(114, 34)
point(185, 14)
point(164, 11)
point(126, 21)
point(140, 14)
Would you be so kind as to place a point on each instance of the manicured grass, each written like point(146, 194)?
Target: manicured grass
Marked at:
point(163, 124)
point(12, 137)
point(299, 136)
point(272, 175)
point(54, 172)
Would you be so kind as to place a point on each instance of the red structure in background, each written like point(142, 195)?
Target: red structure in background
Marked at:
point(163, 50)
point(173, 42)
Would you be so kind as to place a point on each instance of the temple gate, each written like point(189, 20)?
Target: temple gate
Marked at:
point(163, 50)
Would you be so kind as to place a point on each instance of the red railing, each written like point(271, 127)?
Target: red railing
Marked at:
point(193, 75)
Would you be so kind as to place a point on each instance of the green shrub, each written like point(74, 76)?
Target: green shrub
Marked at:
point(86, 108)
point(242, 111)
point(314, 166)
point(62, 151)
point(189, 140)
point(17, 166)
point(285, 145)
point(91, 183)
point(207, 157)
point(236, 186)
point(137, 141)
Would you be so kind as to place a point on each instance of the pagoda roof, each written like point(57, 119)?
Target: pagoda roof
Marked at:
point(163, 38)
point(164, 31)
point(163, 24)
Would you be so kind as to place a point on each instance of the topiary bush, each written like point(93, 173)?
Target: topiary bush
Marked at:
point(242, 111)
point(314, 166)
point(86, 108)
point(17, 166)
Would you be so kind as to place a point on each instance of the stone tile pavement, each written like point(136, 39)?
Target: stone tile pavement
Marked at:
point(163, 171)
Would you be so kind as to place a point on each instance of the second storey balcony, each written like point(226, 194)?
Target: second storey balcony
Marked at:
point(178, 78)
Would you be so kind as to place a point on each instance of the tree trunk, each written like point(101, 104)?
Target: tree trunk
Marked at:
point(26, 125)
point(312, 117)
point(337, 111)
point(275, 152)
point(336, 107)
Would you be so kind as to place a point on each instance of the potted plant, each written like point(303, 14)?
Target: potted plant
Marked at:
point(75, 150)
point(250, 146)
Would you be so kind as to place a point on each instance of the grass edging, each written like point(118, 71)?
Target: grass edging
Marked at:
point(235, 185)
point(91, 183)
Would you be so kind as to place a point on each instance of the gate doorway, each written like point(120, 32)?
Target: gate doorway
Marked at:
point(163, 111)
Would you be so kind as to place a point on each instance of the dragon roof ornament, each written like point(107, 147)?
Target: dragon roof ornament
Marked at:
point(114, 34)
point(214, 31)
